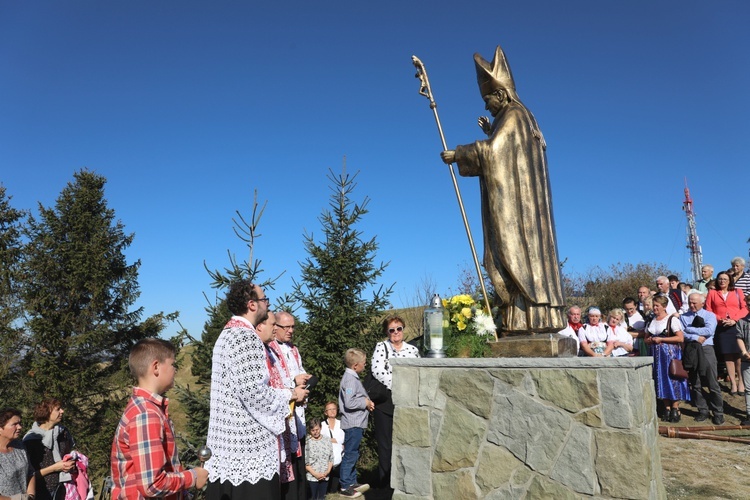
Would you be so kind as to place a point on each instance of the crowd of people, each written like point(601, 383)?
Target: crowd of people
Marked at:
point(44, 463)
point(686, 329)
point(263, 447)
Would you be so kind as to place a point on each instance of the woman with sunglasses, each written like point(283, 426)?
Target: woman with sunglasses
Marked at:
point(394, 347)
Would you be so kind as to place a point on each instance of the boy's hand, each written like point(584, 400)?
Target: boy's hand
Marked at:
point(370, 405)
point(202, 479)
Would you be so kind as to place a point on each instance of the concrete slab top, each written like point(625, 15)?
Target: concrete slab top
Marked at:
point(560, 363)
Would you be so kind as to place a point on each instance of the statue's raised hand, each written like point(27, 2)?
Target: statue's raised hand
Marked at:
point(485, 125)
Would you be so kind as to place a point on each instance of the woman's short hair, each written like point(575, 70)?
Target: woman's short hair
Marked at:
point(661, 300)
point(7, 413)
point(390, 319)
point(43, 410)
point(147, 351)
point(738, 260)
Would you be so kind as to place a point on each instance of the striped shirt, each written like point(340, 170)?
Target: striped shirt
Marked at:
point(743, 282)
point(144, 455)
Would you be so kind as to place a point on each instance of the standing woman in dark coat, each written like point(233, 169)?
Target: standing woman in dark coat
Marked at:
point(46, 444)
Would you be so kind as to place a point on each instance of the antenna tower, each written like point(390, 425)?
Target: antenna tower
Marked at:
point(696, 254)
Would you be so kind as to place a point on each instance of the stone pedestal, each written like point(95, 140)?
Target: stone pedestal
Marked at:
point(544, 345)
point(560, 428)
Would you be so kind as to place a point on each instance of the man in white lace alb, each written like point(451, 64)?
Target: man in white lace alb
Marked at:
point(246, 414)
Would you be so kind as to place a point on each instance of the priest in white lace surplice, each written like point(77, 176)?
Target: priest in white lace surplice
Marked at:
point(247, 415)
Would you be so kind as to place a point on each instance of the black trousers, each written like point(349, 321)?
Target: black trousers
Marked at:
point(715, 400)
point(384, 437)
point(297, 489)
point(333, 479)
point(266, 489)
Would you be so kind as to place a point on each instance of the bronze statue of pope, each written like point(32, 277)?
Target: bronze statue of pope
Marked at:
point(520, 245)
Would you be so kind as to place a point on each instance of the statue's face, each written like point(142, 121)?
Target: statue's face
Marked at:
point(493, 103)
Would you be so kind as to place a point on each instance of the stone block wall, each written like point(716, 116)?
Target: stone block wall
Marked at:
point(525, 428)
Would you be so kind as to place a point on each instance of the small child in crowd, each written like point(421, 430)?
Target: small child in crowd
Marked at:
point(318, 460)
point(354, 405)
point(623, 341)
point(144, 456)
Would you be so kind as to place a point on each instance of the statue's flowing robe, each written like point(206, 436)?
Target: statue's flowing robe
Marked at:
point(520, 245)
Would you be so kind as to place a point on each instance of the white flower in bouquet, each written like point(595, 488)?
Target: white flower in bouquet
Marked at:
point(484, 324)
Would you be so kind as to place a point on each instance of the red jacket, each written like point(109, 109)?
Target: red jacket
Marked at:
point(734, 305)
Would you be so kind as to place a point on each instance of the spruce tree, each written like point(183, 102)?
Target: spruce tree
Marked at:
point(338, 289)
point(11, 332)
point(78, 292)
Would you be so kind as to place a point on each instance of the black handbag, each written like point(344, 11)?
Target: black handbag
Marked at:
point(376, 391)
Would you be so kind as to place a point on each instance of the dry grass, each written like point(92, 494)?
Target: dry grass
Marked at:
point(707, 469)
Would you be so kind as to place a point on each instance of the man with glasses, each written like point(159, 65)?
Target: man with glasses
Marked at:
point(291, 368)
point(247, 415)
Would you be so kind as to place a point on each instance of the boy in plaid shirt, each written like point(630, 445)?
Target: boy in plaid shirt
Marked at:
point(144, 455)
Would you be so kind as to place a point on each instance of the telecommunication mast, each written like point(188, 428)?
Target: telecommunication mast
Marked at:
point(696, 254)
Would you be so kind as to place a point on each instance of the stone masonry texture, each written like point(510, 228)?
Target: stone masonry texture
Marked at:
point(510, 428)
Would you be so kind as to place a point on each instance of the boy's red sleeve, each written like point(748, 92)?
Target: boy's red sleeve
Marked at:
point(151, 463)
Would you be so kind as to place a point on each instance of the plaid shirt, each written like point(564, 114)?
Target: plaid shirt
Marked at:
point(144, 456)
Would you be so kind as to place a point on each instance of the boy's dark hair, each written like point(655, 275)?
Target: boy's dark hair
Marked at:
point(145, 352)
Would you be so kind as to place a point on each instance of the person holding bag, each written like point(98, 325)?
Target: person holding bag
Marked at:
point(665, 337)
point(46, 444)
point(728, 304)
point(394, 347)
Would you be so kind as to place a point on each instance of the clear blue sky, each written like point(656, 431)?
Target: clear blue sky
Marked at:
point(188, 107)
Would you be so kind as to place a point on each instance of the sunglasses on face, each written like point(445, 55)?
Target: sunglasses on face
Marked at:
point(397, 329)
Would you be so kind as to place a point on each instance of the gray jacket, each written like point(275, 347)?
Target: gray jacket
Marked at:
point(352, 401)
